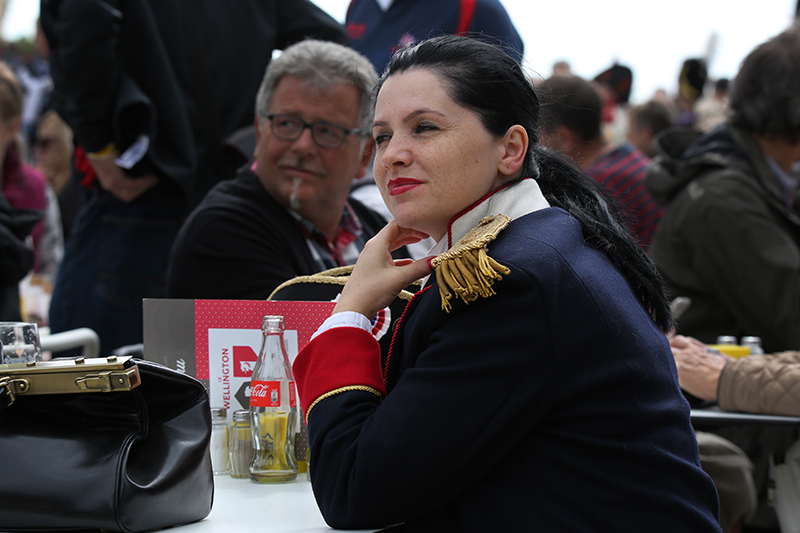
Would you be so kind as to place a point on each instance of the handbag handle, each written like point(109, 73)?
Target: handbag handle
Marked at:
point(335, 276)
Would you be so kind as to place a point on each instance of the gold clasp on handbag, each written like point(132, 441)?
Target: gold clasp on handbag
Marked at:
point(62, 376)
point(107, 381)
point(5, 385)
point(14, 387)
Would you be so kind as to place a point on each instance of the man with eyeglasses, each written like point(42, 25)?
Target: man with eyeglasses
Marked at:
point(289, 212)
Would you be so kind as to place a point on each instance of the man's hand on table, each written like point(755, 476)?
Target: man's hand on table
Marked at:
point(699, 367)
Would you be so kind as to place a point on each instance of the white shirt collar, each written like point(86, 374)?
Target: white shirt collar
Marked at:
point(384, 4)
point(514, 201)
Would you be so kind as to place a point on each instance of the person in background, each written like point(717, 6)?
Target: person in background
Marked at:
point(53, 156)
point(34, 76)
point(543, 322)
point(766, 384)
point(16, 256)
point(730, 236)
point(645, 121)
point(23, 186)
point(572, 124)
point(562, 68)
point(691, 84)
point(378, 28)
point(289, 212)
point(152, 89)
point(614, 85)
point(712, 110)
point(729, 239)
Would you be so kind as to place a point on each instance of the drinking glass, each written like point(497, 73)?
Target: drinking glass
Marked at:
point(19, 342)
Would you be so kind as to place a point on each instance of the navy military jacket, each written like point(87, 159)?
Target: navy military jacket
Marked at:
point(552, 405)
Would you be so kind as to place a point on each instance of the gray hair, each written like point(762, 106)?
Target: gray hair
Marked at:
point(322, 64)
point(765, 95)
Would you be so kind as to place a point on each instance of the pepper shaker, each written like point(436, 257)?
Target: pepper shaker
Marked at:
point(241, 445)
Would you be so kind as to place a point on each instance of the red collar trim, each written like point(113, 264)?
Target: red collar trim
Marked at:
point(473, 206)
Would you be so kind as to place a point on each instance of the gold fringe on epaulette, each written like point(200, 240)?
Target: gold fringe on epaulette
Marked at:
point(466, 269)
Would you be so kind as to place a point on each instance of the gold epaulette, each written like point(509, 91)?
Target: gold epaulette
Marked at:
point(466, 268)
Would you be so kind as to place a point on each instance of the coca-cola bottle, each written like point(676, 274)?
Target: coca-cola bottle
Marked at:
point(273, 408)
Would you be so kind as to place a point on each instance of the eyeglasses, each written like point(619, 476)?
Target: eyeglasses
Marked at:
point(325, 134)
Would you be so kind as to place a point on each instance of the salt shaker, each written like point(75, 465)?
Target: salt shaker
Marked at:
point(219, 440)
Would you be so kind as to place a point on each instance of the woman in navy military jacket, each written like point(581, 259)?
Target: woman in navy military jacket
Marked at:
point(529, 386)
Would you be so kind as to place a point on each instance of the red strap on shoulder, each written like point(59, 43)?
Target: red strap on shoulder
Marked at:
point(465, 16)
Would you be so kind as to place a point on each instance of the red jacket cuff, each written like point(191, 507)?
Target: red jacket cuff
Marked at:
point(340, 358)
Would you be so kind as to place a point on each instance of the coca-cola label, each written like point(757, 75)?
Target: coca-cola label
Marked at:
point(265, 394)
point(292, 394)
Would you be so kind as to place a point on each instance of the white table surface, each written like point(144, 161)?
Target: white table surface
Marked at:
point(279, 508)
point(241, 505)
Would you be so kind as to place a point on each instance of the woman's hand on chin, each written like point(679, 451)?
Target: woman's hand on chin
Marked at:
point(378, 278)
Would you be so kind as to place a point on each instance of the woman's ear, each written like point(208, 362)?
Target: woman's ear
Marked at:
point(514, 148)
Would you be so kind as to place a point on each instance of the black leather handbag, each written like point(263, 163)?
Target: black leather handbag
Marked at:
point(127, 460)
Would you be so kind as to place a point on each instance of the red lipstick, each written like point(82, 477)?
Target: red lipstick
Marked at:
point(401, 185)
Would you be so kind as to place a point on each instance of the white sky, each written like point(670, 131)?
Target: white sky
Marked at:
point(653, 38)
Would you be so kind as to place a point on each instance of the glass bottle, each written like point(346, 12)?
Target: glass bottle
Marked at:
point(219, 440)
point(273, 408)
point(727, 339)
point(241, 445)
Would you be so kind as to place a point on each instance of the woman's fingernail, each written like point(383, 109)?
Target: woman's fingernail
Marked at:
point(430, 263)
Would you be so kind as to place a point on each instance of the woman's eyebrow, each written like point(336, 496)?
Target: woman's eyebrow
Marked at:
point(422, 111)
point(410, 116)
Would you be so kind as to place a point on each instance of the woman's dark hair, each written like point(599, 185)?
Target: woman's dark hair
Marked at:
point(482, 78)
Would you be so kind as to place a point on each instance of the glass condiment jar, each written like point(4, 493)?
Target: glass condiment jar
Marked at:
point(240, 445)
point(219, 440)
point(754, 343)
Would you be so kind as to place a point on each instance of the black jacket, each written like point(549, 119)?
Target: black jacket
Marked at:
point(727, 239)
point(186, 72)
point(241, 244)
point(16, 258)
point(552, 405)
